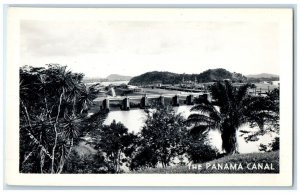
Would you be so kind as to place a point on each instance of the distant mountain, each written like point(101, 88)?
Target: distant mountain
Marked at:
point(93, 79)
point(116, 77)
point(263, 75)
point(174, 78)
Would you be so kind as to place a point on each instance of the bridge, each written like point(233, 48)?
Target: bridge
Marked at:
point(143, 101)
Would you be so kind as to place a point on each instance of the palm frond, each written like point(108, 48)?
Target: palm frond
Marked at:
point(199, 130)
point(204, 108)
point(200, 119)
point(242, 92)
point(219, 93)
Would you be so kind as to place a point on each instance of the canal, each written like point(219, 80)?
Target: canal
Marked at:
point(135, 119)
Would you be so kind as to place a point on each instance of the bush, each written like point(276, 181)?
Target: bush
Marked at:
point(144, 158)
point(199, 152)
point(160, 139)
point(273, 146)
point(82, 164)
point(198, 148)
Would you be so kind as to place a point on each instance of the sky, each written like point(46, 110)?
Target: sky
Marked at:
point(99, 48)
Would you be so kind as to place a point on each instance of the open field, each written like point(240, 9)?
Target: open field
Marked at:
point(249, 162)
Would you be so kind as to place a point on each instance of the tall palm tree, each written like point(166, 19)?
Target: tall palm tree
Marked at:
point(33, 127)
point(228, 111)
point(49, 116)
point(263, 112)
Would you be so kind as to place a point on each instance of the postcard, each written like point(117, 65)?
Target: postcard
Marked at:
point(149, 96)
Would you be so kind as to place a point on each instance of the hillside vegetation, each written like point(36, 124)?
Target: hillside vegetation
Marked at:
point(174, 78)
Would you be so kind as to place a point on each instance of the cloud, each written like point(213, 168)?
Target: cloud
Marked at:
point(60, 38)
point(99, 48)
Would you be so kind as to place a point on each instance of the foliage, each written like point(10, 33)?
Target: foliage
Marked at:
point(144, 158)
point(263, 111)
point(115, 142)
point(235, 108)
point(198, 148)
point(53, 105)
point(161, 138)
point(92, 163)
point(273, 146)
point(173, 78)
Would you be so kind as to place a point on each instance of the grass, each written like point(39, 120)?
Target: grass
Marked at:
point(264, 160)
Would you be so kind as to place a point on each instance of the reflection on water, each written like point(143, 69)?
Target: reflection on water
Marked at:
point(135, 118)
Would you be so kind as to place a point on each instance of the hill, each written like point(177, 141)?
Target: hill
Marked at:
point(249, 162)
point(117, 77)
point(93, 79)
point(174, 78)
point(263, 75)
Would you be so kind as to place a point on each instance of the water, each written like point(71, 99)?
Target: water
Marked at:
point(113, 93)
point(135, 118)
point(114, 83)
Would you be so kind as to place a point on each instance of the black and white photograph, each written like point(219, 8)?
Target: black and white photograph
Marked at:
point(153, 91)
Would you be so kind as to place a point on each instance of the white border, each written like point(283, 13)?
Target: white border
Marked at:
point(13, 177)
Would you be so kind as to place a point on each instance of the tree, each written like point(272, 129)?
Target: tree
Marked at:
point(86, 97)
point(162, 136)
point(115, 141)
point(49, 118)
point(230, 109)
point(35, 143)
point(144, 157)
point(263, 111)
